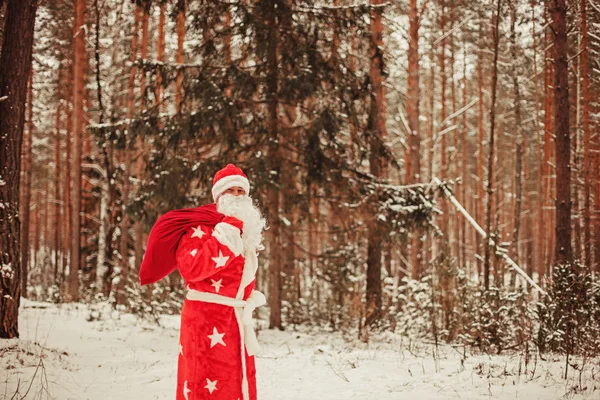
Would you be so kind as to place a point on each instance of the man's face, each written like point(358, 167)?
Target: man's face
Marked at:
point(236, 191)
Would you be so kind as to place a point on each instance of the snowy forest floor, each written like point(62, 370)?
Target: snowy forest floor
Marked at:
point(61, 355)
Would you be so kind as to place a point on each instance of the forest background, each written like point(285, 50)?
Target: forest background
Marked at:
point(384, 141)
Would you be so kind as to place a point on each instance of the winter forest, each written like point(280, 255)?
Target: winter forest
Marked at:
point(429, 171)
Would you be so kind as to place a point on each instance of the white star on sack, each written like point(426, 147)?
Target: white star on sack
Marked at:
point(193, 252)
point(186, 391)
point(198, 232)
point(211, 385)
point(180, 349)
point(216, 338)
point(217, 284)
point(221, 260)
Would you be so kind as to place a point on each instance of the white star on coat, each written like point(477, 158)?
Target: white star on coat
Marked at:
point(186, 391)
point(198, 232)
point(210, 385)
point(193, 252)
point(216, 338)
point(221, 260)
point(217, 284)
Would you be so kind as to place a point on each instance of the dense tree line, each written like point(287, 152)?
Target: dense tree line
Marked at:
point(345, 115)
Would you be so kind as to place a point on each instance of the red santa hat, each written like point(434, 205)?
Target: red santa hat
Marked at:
point(229, 177)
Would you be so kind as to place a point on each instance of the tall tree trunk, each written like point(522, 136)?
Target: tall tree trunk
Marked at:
point(160, 55)
point(138, 242)
point(26, 206)
point(275, 167)
point(378, 133)
point(480, 138)
point(15, 69)
point(547, 184)
point(179, 57)
point(78, 88)
point(456, 161)
point(413, 163)
point(490, 176)
point(563, 251)
point(539, 259)
point(57, 220)
point(587, 165)
point(68, 181)
point(124, 245)
point(464, 156)
point(443, 155)
point(519, 133)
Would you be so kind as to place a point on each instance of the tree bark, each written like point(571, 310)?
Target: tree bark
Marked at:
point(413, 163)
point(56, 214)
point(15, 69)
point(563, 250)
point(539, 259)
point(138, 242)
point(124, 245)
point(26, 206)
point(480, 137)
point(377, 133)
point(519, 134)
point(275, 168)
point(78, 99)
point(160, 54)
point(587, 165)
point(490, 175)
point(179, 57)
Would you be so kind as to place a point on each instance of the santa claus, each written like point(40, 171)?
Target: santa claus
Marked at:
point(215, 249)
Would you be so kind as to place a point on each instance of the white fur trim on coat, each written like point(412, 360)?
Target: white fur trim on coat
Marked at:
point(228, 182)
point(228, 235)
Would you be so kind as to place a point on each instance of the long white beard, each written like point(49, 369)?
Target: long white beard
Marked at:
point(242, 208)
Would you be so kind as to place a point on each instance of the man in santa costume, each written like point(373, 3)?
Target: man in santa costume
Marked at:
point(215, 249)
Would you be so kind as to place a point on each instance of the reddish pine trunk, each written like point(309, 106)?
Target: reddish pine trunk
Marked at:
point(587, 165)
point(275, 160)
point(57, 217)
point(465, 229)
point(377, 128)
point(545, 220)
point(78, 99)
point(539, 259)
point(138, 242)
point(160, 53)
point(26, 206)
point(443, 161)
point(179, 57)
point(67, 183)
point(519, 134)
point(15, 68)
point(490, 176)
point(413, 163)
point(563, 251)
point(480, 137)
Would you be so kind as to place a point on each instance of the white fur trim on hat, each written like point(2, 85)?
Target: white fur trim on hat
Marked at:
point(228, 182)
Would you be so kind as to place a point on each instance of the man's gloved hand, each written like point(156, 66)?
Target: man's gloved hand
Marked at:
point(235, 222)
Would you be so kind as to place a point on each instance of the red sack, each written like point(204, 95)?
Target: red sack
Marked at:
point(159, 259)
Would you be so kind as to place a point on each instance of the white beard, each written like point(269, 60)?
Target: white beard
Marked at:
point(242, 208)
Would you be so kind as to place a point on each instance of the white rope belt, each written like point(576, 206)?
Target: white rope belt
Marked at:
point(243, 314)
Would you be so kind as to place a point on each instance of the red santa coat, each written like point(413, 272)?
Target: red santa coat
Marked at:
point(214, 265)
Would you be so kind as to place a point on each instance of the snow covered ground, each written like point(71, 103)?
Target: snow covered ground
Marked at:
point(61, 355)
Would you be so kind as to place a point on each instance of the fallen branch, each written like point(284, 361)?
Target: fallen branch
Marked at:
point(479, 229)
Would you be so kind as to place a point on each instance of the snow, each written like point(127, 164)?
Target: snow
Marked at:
point(92, 352)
